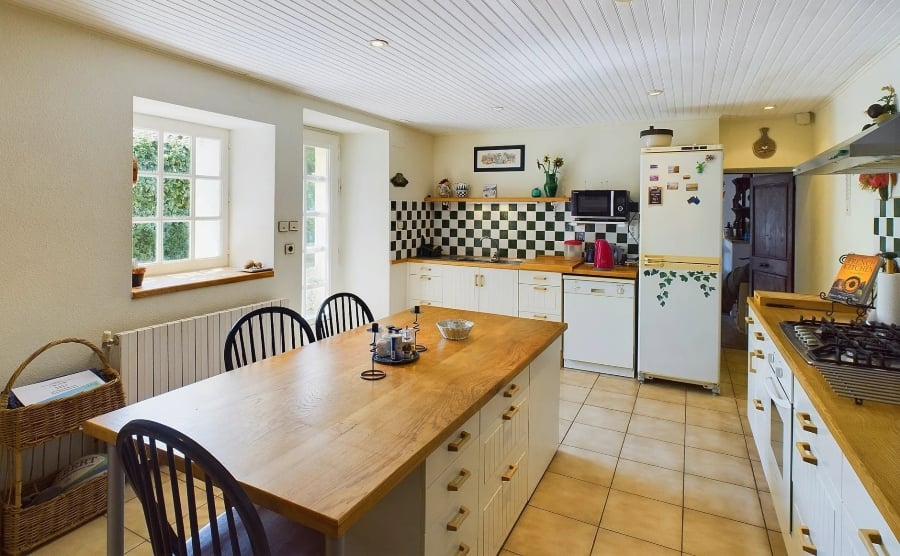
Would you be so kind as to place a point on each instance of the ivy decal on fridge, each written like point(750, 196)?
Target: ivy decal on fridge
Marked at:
point(705, 280)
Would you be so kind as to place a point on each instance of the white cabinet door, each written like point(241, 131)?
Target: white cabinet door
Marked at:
point(546, 300)
point(459, 287)
point(864, 529)
point(543, 416)
point(496, 292)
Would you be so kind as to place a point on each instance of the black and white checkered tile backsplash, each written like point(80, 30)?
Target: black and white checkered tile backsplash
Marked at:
point(517, 230)
point(887, 226)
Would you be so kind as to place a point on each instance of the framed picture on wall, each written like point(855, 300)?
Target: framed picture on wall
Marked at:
point(507, 158)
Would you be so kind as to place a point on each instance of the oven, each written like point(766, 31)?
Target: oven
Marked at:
point(775, 395)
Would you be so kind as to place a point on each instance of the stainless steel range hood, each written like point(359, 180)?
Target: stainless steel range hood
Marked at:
point(873, 151)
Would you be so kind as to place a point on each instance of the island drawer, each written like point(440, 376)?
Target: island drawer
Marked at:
point(456, 487)
point(462, 440)
point(508, 396)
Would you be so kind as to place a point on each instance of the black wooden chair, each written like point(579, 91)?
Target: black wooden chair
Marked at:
point(263, 333)
point(341, 312)
point(223, 521)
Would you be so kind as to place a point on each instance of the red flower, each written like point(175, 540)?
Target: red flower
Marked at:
point(874, 182)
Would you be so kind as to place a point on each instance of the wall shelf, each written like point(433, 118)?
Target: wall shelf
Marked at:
point(430, 199)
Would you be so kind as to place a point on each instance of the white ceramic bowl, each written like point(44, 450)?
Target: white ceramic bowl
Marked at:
point(455, 329)
point(656, 137)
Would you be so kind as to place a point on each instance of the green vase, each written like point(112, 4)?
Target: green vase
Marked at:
point(550, 185)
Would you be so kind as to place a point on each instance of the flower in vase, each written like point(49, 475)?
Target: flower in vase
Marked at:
point(548, 165)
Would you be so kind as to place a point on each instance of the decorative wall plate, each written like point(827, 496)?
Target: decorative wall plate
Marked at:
point(764, 147)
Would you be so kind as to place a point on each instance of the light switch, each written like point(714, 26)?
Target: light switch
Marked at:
point(294, 225)
point(282, 225)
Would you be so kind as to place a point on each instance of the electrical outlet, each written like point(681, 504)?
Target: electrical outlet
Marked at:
point(288, 248)
point(282, 225)
point(294, 225)
point(579, 236)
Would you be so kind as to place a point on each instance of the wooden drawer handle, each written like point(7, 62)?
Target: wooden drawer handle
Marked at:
point(758, 353)
point(539, 317)
point(511, 412)
point(512, 390)
point(759, 336)
point(806, 454)
point(457, 521)
point(871, 537)
point(757, 403)
point(806, 422)
point(540, 288)
point(749, 320)
point(457, 444)
point(424, 277)
point(460, 480)
point(463, 549)
point(806, 543)
point(506, 477)
point(539, 278)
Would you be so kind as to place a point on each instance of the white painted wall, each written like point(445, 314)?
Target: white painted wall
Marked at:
point(65, 148)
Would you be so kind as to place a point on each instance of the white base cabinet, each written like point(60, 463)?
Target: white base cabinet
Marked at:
point(489, 290)
point(540, 295)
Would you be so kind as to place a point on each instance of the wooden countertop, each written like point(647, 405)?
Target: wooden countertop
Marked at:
point(308, 438)
point(542, 263)
point(868, 434)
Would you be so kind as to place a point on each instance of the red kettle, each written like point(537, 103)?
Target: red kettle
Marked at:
point(603, 255)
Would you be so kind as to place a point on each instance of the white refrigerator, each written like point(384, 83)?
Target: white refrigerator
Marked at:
point(679, 278)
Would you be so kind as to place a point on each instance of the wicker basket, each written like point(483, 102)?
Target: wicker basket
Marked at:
point(27, 427)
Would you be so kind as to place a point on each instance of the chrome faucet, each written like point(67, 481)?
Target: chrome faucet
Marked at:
point(495, 253)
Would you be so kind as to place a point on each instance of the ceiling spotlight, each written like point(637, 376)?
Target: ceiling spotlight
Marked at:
point(655, 92)
point(769, 107)
point(499, 108)
point(378, 43)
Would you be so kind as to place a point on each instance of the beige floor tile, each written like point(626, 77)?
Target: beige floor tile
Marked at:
point(776, 541)
point(745, 425)
point(577, 378)
point(704, 399)
point(711, 419)
point(610, 543)
point(742, 407)
point(87, 540)
point(649, 481)
point(721, 467)
point(543, 533)
point(727, 390)
point(568, 410)
point(505, 552)
point(660, 429)
point(653, 452)
point(759, 476)
point(768, 511)
point(663, 391)
point(611, 400)
point(603, 417)
point(586, 465)
point(570, 497)
point(571, 393)
point(661, 410)
point(597, 439)
point(143, 549)
point(739, 392)
point(722, 499)
point(617, 384)
point(739, 378)
point(715, 441)
point(709, 535)
point(564, 425)
point(751, 447)
point(628, 514)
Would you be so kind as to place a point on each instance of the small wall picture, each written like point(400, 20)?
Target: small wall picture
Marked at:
point(507, 158)
point(490, 190)
point(691, 186)
point(674, 169)
point(672, 185)
point(654, 195)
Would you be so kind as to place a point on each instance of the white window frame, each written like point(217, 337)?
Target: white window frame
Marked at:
point(315, 138)
point(192, 129)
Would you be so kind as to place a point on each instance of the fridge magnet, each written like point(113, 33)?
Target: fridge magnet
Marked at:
point(686, 177)
point(672, 185)
point(655, 195)
point(674, 169)
point(694, 200)
point(701, 165)
point(654, 177)
point(691, 186)
point(654, 166)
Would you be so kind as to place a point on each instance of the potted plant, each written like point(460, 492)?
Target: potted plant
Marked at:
point(137, 274)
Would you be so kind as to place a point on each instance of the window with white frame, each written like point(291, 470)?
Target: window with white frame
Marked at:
point(179, 203)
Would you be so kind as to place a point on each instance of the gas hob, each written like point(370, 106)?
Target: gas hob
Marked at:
point(859, 360)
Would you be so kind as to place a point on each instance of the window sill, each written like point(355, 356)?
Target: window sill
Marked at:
point(169, 283)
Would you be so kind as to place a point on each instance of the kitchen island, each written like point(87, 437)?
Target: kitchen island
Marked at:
point(309, 439)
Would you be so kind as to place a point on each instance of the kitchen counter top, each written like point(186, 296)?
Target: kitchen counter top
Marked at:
point(867, 434)
point(542, 263)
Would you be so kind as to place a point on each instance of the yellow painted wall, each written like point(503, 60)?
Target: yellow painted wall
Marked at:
point(794, 143)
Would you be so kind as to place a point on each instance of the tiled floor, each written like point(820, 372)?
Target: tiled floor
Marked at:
point(644, 470)
point(651, 469)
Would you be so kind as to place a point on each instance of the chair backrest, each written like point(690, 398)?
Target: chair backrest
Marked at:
point(263, 333)
point(341, 312)
point(146, 448)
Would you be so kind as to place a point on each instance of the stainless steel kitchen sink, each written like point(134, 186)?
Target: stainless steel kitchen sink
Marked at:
point(473, 259)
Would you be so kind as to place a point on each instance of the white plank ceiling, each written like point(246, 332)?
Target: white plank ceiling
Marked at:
point(548, 63)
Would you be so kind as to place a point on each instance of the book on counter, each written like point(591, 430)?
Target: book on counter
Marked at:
point(855, 279)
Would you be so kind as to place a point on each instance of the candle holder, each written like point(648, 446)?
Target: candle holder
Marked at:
point(416, 310)
point(372, 373)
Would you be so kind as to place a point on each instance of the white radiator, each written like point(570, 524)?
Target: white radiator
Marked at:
point(166, 356)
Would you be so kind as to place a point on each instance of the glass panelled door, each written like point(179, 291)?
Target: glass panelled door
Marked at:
point(320, 185)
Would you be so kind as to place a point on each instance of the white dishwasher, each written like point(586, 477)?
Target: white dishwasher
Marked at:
point(600, 315)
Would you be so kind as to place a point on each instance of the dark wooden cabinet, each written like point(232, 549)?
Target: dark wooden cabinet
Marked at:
point(772, 232)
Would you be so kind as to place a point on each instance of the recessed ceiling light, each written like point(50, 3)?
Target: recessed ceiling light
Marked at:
point(655, 92)
point(769, 107)
point(499, 108)
point(378, 43)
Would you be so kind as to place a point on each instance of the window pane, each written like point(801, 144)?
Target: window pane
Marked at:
point(145, 145)
point(143, 197)
point(208, 201)
point(176, 197)
point(315, 273)
point(177, 154)
point(176, 241)
point(309, 159)
point(207, 239)
point(208, 156)
point(143, 242)
point(316, 232)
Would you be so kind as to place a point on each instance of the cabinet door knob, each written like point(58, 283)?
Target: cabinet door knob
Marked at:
point(806, 542)
point(759, 336)
point(457, 521)
point(511, 391)
point(460, 480)
point(463, 549)
point(871, 537)
point(457, 444)
point(749, 320)
point(511, 413)
point(540, 288)
point(506, 477)
point(757, 403)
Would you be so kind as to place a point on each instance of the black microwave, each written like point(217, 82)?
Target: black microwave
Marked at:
point(600, 204)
